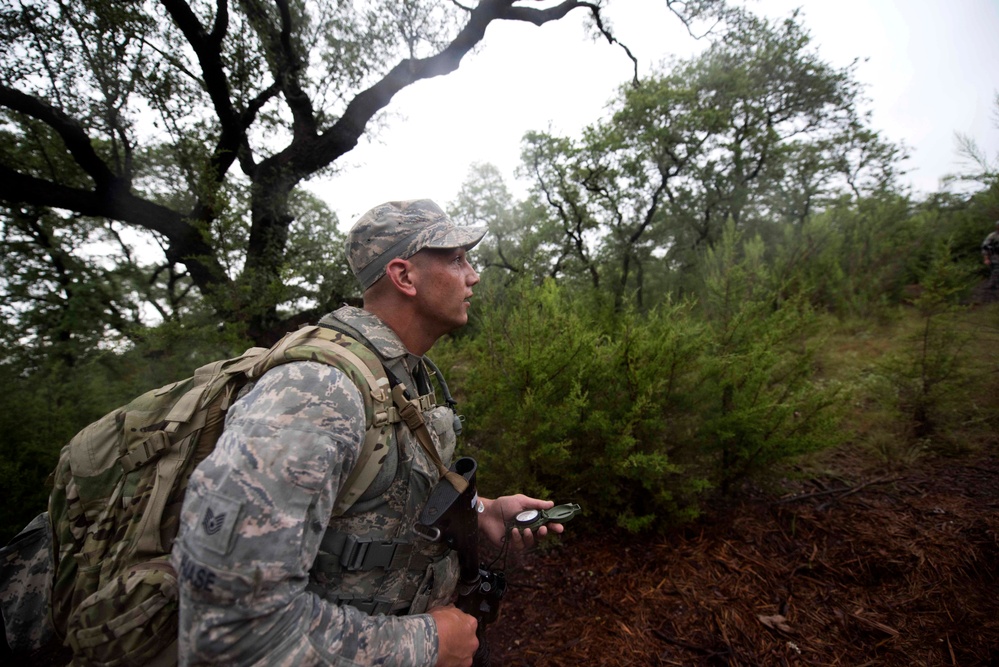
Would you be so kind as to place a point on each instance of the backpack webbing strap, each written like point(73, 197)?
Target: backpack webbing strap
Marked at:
point(383, 415)
point(364, 473)
point(202, 393)
point(186, 418)
point(149, 531)
point(168, 469)
point(147, 450)
point(182, 414)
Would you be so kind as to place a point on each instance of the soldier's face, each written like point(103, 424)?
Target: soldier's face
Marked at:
point(444, 281)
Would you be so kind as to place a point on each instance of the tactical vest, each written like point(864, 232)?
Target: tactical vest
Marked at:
point(369, 557)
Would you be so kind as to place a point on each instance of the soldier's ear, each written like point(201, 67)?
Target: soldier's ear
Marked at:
point(400, 273)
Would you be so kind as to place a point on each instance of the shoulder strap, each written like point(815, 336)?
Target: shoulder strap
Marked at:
point(325, 345)
point(410, 412)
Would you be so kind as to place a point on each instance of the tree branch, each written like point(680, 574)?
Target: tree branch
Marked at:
point(232, 139)
point(287, 63)
point(345, 133)
point(290, 68)
point(542, 16)
point(69, 130)
point(186, 243)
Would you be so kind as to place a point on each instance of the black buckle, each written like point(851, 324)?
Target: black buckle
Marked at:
point(365, 553)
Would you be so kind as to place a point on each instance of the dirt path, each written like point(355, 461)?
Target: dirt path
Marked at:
point(889, 569)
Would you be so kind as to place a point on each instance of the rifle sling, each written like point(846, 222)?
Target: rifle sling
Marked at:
point(409, 410)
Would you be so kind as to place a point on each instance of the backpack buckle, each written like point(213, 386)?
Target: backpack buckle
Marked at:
point(146, 451)
point(365, 553)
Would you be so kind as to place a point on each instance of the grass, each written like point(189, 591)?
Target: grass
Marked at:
point(884, 363)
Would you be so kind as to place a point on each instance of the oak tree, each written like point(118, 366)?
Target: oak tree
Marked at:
point(194, 121)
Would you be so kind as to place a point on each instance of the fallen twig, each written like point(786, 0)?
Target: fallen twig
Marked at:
point(839, 493)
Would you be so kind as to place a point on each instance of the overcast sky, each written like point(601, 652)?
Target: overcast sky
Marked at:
point(931, 68)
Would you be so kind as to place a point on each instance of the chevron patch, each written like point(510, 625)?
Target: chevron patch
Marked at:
point(219, 519)
point(212, 522)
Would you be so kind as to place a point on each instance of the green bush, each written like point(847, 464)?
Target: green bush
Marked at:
point(570, 401)
point(762, 401)
point(926, 381)
point(636, 415)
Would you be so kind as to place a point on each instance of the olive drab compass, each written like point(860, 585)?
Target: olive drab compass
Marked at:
point(536, 518)
point(532, 519)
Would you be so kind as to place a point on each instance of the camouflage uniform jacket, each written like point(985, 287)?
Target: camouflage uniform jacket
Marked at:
point(267, 575)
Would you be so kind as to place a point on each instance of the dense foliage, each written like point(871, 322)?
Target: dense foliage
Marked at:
point(637, 414)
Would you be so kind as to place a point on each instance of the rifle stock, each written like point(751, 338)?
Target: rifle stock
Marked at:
point(453, 518)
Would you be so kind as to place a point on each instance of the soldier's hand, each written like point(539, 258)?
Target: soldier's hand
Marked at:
point(456, 640)
point(501, 511)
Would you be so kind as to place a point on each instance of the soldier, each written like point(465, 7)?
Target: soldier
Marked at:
point(267, 574)
point(990, 255)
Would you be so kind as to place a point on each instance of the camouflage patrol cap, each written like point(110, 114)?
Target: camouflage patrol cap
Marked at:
point(402, 229)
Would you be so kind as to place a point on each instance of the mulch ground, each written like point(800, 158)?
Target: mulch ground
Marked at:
point(882, 569)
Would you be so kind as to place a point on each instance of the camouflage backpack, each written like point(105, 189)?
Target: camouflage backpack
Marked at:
point(120, 483)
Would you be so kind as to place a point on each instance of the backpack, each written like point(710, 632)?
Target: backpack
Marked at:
point(120, 483)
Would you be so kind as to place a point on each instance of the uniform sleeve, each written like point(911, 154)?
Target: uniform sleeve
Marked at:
point(253, 516)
